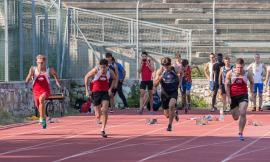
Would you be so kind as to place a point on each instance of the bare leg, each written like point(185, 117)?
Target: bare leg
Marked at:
point(41, 107)
point(224, 103)
point(150, 92)
point(242, 120)
point(260, 101)
point(235, 113)
point(142, 93)
point(166, 113)
point(104, 115)
point(254, 101)
point(97, 110)
point(171, 113)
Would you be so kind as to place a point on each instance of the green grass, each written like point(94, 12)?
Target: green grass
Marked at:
point(196, 74)
point(133, 99)
point(198, 102)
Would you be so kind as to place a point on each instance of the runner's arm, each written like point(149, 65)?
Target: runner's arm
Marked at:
point(206, 71)
point(220, 76)
point(251, 82)
point(265, 69)
point(30, 75)
point(55, 76)
point(157, 77)
point(228, 84)
point(116, 75)
point(89, 75)
point(267, 77)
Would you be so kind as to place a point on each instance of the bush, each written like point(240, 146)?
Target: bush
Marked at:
point(133, 99)
point(198, 102)
point(196, 74)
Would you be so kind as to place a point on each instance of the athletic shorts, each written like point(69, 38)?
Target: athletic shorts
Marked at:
point(236, 100)
point(146, 84)
point(36, 97)
point(211, 85)
point(98, 97)
point(185, 87)
point(166, 97)
point(258, 87)
point(222, 88)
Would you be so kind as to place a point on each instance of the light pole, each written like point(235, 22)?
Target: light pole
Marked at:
point(214, 28)
point(137, 41)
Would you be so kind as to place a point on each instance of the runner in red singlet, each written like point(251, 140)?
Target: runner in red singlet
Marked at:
point(237, 93)
point(101, 90)
point(41, 85)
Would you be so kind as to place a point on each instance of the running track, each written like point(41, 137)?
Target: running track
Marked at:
point(76, 138)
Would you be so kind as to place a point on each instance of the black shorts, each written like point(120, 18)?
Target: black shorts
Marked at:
point(98, 97)
point(236, 100)
point(148, 84)
point(222, 88)
point(166, 97)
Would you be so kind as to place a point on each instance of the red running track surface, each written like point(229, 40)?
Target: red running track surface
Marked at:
point(130, 139)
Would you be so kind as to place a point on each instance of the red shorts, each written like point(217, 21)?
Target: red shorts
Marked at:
point(36, 97)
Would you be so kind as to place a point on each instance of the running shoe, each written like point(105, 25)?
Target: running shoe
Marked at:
point(213, 109)
point(176, 117)
point(169, 127)
point(254, 109)
point(241, 137)
point(186, 110)
point(152, 121)
point(103, 134)
point(140, 111)
point(260, 109)
point(111, 111)
point(43, 124)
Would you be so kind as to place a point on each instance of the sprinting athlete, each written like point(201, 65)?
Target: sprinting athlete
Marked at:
point(257, 69)
point(237, 93)
point(101, 90)
point(40, 75)
point(169, 81)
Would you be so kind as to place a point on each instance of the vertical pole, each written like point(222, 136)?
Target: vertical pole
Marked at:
point(33, 31)
point(21, 40)
point(137, 41)
point(58, 35)
point(161, 41)
point(6, 42)
point(190, 46)
point(46, 33)
point(214, 28)
point(68, 38)
point(103, 30)
point(64, 47)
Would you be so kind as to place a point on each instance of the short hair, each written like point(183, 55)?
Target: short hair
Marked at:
point(103, 62)
point(166, 61)
point(144, 53)
point(185, 62)
point(40, 57)
point(240, 61)
point(177, 54)
point(212, 54)
point(227, 58)
point(113, 59)
point(108, 54)
point(219, 55)
point(257, 55)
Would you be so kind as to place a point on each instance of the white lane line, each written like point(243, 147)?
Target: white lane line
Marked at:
point(62, 139)
point(111, 144)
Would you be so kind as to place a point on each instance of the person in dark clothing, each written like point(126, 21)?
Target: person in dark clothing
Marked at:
point(121, 77)
point(216, 71)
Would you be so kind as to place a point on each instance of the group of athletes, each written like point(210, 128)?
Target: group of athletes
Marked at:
point(105, 79)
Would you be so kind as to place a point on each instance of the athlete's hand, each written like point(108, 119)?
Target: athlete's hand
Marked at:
point(110, 92)
point(87, 94)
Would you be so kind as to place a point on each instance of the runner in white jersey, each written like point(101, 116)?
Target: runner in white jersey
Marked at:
point(179, 70)
point(257, 68)
point(208, 70)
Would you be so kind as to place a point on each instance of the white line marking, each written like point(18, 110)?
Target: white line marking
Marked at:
point(111, 144)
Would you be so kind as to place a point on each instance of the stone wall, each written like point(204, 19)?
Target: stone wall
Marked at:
point(16, 97)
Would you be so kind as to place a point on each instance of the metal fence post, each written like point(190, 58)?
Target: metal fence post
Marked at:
point(6, 42)
point(58, 35)
point(21, 39)
point(33, 31)
point(214, 29)
point(137, 41)
point(46, 33)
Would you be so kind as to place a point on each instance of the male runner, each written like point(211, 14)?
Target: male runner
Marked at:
point(169, 81)
point(40, 75)
point(237, 93)
point(101, 90)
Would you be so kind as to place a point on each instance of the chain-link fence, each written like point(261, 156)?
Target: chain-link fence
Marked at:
point(34, 27)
